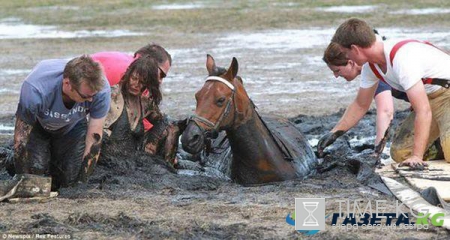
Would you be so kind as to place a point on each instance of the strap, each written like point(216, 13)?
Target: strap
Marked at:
point(435, 81)
point(222, 80)
point(375, 71)
point(398, 45)
point(377, 74)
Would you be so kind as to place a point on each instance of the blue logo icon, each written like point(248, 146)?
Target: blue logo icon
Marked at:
point(290, 219)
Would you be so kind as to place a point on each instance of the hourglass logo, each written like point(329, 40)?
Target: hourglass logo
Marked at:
point(310, 214)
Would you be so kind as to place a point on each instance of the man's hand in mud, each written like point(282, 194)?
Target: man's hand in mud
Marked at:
point(414, 163)
point(328, 139)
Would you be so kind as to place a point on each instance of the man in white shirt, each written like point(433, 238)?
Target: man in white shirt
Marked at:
point(405, 66)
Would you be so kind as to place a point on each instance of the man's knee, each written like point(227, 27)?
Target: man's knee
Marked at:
point(399, 154)
point(32, 159)
point(445, 144)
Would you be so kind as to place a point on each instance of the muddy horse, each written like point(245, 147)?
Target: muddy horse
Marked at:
point(264, 149)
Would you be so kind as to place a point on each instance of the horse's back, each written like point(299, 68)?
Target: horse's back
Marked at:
point(293, 143)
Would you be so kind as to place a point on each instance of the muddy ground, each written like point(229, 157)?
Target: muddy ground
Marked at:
point(137, 196)
point(278, 45)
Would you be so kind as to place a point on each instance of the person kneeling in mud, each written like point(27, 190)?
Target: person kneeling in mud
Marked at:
point(341, 66)
point(421, 71)
point(130, 105)
point(53, 136)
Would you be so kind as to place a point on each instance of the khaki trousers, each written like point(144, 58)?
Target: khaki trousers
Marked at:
point(403, 142)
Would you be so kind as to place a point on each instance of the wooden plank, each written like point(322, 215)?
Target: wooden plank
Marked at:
point(437, 175)
point(34, 199)
point(387, 171)
point(413, 200)
point(442, 187)
point(436, 170)
point(33, 186)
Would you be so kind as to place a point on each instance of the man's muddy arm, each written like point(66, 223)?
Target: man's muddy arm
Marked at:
point(92, 148)
point(357, 109)
point(22, 132)
point(351, 117)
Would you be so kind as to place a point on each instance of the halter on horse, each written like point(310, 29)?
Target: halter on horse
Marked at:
point(264, 151)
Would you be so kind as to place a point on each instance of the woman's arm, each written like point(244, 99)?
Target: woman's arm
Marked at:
point(385, 113)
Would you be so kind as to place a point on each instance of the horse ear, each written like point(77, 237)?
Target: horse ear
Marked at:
point(210, 64)
point(232, 71)
point(240, 80)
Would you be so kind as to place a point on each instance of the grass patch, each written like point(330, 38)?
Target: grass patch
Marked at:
point(215, 16)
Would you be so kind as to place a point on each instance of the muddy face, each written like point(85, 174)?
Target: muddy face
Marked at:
point(193, 139)
point(135, 85)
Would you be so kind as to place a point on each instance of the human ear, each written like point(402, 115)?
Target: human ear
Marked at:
point(350, 62)
point(354, 48)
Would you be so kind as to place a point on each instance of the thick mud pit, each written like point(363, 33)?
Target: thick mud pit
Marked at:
point(134, 195)
point(278, 44)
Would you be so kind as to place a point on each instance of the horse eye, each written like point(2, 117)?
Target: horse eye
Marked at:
point(220, 101)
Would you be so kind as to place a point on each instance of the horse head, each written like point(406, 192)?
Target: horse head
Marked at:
point(222, 103)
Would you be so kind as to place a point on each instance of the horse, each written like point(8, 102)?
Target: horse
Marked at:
point(269, 149)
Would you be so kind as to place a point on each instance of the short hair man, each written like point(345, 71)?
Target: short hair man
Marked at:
point(53, 135)
point(405, 66)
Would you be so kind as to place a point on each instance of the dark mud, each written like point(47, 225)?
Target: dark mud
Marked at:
point(134, 195)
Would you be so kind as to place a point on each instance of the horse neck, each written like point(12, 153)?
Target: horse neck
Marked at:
point(252, 141)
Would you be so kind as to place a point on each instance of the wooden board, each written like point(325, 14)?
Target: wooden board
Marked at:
point(437, 175)
point(442, 187)
point(34, 199)
point(387, 171)
point(413, 200)
point(436, 170)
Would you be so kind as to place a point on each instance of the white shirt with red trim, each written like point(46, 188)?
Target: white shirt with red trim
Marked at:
point(412, 62)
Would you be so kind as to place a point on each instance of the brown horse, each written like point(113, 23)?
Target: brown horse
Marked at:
point(268, 150)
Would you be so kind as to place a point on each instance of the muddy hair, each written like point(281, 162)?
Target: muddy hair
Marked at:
point(146, 67)
point(333, 55)
point(156, 51)
point(84, 69)
point(354, 31)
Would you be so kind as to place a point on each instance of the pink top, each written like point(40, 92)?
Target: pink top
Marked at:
point(115, 64)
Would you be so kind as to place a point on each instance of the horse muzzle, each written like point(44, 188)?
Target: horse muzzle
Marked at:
point(192, 139)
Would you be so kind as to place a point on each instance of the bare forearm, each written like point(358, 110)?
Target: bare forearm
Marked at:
point(419, 102)
point(422, 125)
point(382, 124)
point(385, 113)
point(351, 117)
